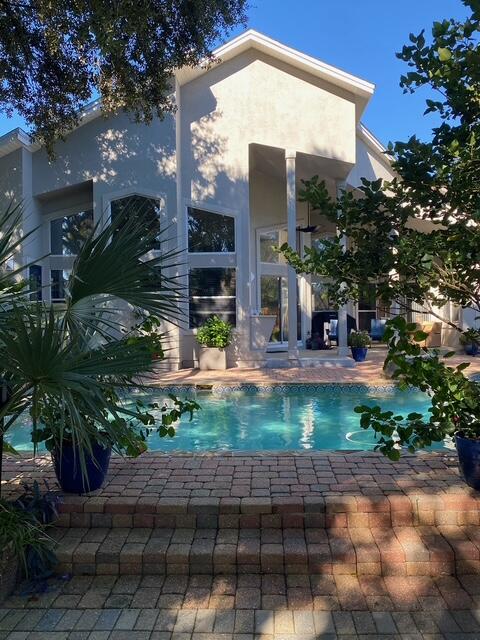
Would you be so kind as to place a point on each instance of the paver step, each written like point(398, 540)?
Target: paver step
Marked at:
point(423, 550)
point(287, 512)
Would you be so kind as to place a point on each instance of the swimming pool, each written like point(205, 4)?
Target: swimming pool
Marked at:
point(283, 418)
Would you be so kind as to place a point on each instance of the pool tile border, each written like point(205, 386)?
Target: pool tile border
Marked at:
point(280, 388)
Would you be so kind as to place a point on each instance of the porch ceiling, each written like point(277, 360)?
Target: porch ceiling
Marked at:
point(271, 160)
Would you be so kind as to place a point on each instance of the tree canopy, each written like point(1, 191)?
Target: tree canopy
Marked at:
point(56, 54)
point(436, 186)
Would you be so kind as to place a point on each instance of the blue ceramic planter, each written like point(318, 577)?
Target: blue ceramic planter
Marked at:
point(469, 460)
point(471, 349)
point(359, 354)
point(68, 472)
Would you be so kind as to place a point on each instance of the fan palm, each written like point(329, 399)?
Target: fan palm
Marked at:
point(70, 366)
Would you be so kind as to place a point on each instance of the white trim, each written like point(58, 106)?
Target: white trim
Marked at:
point(254, 39)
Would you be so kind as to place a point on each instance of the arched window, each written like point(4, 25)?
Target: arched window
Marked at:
point(145, 209)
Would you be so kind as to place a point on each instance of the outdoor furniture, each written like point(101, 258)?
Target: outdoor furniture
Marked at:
point(333, 328)
point(377, 329)
point(434, 334)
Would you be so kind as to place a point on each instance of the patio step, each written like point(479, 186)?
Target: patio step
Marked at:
point(398, 551)
point(282, 512)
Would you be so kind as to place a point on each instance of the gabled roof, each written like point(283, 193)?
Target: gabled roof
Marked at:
point(250, 39)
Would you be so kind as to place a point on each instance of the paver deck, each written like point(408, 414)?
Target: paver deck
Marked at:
point(247, 607)
point(368, 372)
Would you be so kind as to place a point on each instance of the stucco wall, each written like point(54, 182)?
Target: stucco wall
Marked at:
point(10, 178)
point(368, 165)
point(115, 154)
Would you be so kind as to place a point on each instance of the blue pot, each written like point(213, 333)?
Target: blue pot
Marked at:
point(469, 460)
point(67, 468)
point(471, 349)
point(359, 354)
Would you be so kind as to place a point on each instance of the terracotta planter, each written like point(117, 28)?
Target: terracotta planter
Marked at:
point(8, 573)
point(212, 359)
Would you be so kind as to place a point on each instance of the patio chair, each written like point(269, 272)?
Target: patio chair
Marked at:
point(377, 329)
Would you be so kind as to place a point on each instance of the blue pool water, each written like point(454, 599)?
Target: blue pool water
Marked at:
point(300, 418)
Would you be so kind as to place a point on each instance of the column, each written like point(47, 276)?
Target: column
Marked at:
point(343, 350)
point(290, 159)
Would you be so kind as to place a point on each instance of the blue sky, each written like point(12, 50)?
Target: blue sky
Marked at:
point(359, 36)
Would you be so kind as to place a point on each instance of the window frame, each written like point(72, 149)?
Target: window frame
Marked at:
point(57, 215)
point(211, 259)
point(190, 297)
point(111, 196)
point(221, 211)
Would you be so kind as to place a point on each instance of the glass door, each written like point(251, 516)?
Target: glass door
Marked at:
point(273, 290)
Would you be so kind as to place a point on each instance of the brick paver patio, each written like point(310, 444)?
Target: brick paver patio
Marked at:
point(302, 546)
point(247, 607)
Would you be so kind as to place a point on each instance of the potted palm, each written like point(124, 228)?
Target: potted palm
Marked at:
point(214, 336)
point(359, 341)
point(470, 340)
point(71, 368)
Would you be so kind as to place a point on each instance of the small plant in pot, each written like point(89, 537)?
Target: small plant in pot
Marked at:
point(214, 336)
point(455, 403)
point(359, 342)
point(470, 340)
point(25, 547)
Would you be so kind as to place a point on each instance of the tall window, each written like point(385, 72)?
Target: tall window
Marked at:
point(212, 278)
point(145, 210)
point(67, 233)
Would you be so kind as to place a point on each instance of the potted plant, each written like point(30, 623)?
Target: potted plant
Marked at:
point(470, 340)
point(359, 341)
point(455, 402)
point(26, 549)
point(214, 336)
point(73, 367)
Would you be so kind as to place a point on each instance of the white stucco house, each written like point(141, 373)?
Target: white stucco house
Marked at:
point(222, 173)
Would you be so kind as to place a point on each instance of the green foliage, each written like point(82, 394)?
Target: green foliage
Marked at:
point(455, 398)
point(470, 336)
point(73, 368)
point(215, 333)
point(55, 55)
point(437, 184)
point(23, 534)
point(359, 339)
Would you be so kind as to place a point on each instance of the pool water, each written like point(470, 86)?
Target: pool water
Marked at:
point(298, 420)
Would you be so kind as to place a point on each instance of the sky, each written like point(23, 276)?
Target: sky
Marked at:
point(358, 36)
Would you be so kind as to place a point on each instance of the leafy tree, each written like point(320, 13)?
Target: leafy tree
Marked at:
point(436, 189)
point(55, 55)
point(417, 237)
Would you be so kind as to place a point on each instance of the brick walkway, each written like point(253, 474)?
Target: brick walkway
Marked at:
point(247, 607)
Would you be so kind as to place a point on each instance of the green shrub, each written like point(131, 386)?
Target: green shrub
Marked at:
point(470, 336)
point(359, 339)
point(215, 333)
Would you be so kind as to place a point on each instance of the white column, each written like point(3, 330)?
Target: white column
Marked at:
point(290, 158)
point(343, 350)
